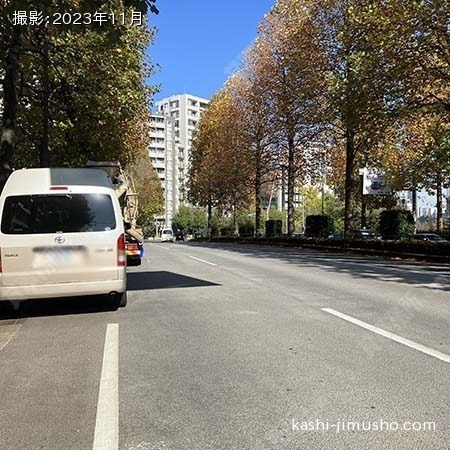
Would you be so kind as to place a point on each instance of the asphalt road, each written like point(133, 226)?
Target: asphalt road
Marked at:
point(235, 347)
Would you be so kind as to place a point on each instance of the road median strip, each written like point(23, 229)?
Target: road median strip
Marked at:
point(367, 248)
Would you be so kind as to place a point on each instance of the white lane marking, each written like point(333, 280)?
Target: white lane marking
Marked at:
point(6, 335)
point(389, 335)
point(203, 261)
point(107, 424)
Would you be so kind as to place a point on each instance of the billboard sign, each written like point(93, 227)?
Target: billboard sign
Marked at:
point(375, 182)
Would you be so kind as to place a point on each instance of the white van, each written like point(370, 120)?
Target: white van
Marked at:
point(167, 235)
point(61, 234)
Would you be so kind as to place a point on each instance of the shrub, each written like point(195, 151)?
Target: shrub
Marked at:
point(246, 230)
point(274, 228)
point(396, 224)
point(317, 225)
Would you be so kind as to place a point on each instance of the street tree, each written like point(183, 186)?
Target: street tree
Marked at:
point(64, 88)
point(362, 80)
point(147, 185)
point(248, 89)
point(220, 160)
point(288, 46)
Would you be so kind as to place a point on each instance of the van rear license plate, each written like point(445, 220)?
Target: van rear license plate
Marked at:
point(52, 259)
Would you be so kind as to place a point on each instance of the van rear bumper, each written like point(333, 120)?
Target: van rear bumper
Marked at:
point(61, 290)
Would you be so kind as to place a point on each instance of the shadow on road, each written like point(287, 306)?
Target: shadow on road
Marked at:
point(137, 281)
point(140, 281)
point(55, 307)
point(367, 267)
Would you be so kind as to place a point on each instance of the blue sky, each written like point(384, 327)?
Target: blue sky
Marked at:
point(199, 43)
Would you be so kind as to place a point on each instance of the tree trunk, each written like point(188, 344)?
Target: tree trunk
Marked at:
point(209, 218)
point(235, 217)
point(7, 143)
point(270, 201)
point(414, 203)
point(258, 192)
point(349, 182)
point(414, 208)
point(363, 212)
point(291, 186)
point(44, 156)
point(439, 203)
point(257, 209)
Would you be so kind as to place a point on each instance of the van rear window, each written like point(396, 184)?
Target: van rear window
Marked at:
point(69, 213)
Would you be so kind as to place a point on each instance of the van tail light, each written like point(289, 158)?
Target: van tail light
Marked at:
point(121, 254)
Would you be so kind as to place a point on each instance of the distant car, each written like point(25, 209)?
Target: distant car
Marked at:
point(179, 235)
point(430, 237)
point(336, 236)
point(134, 251)
point(364, 234)
point(167, 235)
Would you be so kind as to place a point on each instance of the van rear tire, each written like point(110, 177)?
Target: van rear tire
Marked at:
point(120, 300)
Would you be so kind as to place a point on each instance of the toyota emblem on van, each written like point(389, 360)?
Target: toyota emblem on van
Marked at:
point(60, 239)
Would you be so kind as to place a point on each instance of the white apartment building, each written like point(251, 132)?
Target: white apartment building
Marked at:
point(173, 126)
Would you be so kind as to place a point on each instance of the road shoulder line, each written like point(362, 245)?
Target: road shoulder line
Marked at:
point(106, 435)
point(389, 335)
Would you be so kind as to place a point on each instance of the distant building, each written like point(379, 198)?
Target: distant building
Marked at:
point(428, 212)
point(160, 151)
point(173, 126)
point(406, 199)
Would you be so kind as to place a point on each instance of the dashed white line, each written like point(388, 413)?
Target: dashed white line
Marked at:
point(389, 335)
point(203, 261)
point(107, 423)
